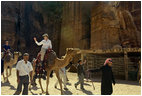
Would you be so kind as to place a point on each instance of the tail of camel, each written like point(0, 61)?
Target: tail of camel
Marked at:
point(9, 62)
point(58, 64)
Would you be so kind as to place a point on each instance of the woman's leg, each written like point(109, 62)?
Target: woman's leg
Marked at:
point(42, 52)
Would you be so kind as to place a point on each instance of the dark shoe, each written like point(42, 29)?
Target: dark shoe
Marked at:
point(17, 93)
point(75, 86)
point(65, 88)
point(82, 89)
point(55, 87)
point(43, 77)
point(51, 74)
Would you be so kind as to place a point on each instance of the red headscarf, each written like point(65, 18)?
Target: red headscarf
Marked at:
point(107, 61)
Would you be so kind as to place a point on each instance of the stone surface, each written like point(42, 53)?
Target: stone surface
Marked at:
point(21, 21)
point(122, 87)
point(84, 25)
point(75, 30)
point(115, 23)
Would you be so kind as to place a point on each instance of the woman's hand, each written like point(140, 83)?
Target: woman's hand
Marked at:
point(35, 39)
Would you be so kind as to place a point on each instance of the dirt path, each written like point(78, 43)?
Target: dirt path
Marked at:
point(121, 88)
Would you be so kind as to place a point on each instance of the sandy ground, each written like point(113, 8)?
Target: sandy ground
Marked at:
point(121, 88)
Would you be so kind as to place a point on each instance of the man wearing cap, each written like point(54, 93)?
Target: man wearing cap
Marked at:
point(46, 44)
point(80, 73)
point(24, 70)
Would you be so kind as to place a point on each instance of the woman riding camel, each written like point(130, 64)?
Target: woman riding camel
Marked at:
point(46, 45)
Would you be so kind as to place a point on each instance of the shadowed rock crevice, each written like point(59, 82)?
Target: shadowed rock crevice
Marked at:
point(84, 25)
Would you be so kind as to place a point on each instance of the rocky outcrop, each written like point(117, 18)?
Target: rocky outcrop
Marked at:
point(115, 23)
point(130, 18)
point(100, 25)
point(104, 26)
point(84, 25)
point(21, 21)
point(75, 29)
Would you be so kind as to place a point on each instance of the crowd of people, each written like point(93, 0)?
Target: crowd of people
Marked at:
point(24, 70)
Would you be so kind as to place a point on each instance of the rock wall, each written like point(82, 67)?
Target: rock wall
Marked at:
point(130, 23)
point(100, 25)
point(115, 23)
point(21, 21)
point(75, 28)
point(84, 25)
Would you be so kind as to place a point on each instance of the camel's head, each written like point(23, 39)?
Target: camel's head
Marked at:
point(72, 51)
point(17, 53)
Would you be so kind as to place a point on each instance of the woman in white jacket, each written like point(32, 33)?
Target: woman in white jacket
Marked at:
point(46, 44)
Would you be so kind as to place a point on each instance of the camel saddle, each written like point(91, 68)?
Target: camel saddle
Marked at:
point(7, 56)
point(49, 57)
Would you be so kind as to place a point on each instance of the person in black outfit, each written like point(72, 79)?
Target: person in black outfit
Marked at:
point(80, 73)
point(107, 77)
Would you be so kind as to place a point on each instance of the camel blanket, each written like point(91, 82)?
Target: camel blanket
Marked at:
point(50, 57)
point(7, 57)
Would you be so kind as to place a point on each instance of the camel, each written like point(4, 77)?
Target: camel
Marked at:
point(9, 62)
point(58, 64)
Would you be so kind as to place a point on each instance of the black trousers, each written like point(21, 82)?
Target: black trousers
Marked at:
point(24, 80)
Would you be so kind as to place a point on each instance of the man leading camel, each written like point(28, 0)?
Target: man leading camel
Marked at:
point(24, 70)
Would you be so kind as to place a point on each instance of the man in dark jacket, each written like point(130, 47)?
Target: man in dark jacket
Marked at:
point(107, 77)
point(6, 47)
point(80, 73)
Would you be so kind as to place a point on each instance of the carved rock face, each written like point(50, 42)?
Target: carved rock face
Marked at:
point(85, 25)
point(21, 21)
point(115, 25)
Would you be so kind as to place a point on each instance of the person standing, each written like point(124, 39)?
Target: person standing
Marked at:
point(62, 74)
point(23, 70)
point(107, 77)
point(80, 73)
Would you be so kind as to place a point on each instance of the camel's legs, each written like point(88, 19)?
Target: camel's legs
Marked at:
point(10, 69)
point(41, 85)
point(47, 81)
point(3, 76)
point(7, 75)
point(59, 79)
point(88, 75)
